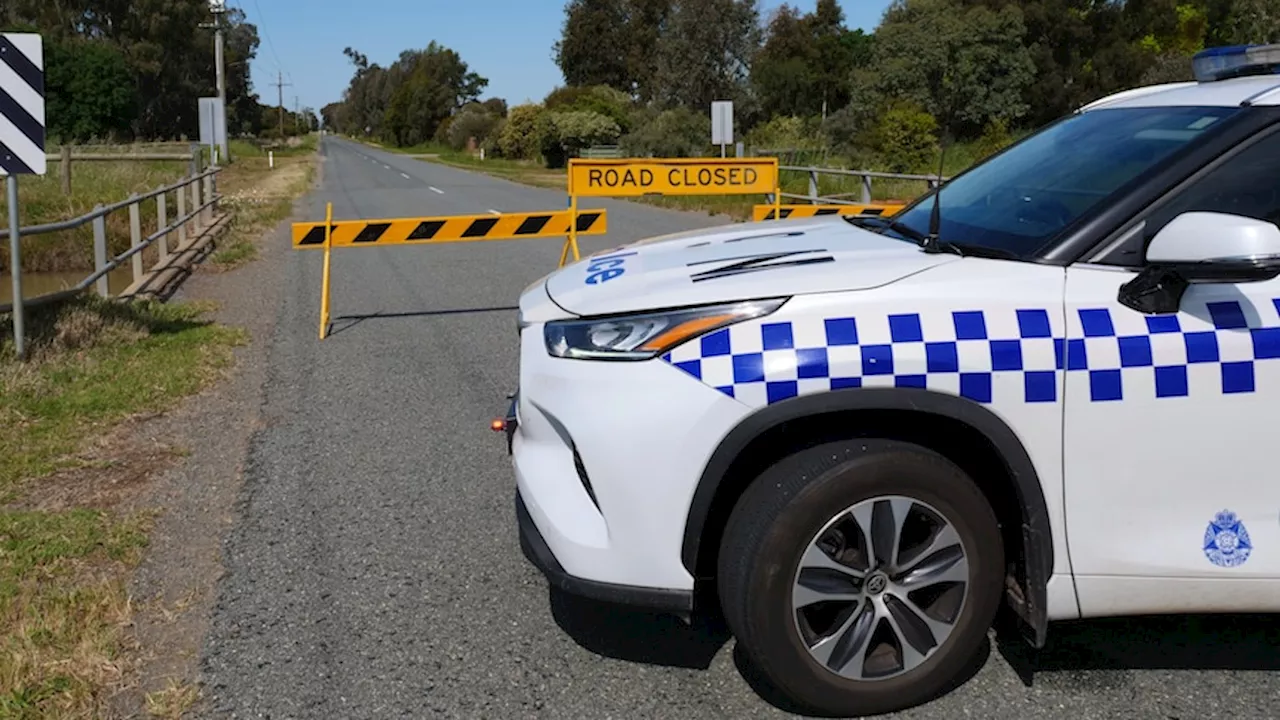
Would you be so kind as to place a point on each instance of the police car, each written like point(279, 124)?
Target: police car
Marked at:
point(1045, 386)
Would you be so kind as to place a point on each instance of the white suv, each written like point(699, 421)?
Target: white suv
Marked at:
point(861, 435)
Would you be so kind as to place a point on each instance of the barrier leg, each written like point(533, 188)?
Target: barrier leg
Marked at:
point(573, 227)
point(324, 284)
point(572, 242)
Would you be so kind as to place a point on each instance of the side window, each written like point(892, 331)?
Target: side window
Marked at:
point(1247, 184)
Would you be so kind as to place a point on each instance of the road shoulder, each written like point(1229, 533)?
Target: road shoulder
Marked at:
point(175, 586)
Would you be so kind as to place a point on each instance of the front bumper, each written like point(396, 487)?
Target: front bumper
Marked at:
point(606, 457)
point(537, 552)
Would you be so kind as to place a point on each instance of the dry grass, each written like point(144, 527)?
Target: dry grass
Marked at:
point(261, 197)
point(63, 610)
point(173, 701)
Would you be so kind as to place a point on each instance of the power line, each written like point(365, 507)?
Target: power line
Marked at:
point(270, 45)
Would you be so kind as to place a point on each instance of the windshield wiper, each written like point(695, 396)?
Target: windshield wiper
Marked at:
point(891, 224)
point(968, 250)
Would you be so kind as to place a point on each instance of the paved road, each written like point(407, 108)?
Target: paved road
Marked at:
point(375, 571)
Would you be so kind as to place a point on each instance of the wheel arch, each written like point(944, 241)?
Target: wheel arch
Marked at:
point(723, 478)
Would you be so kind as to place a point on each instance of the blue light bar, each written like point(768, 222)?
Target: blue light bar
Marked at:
point(1224, 62)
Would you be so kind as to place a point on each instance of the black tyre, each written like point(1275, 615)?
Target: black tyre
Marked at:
point(861, 576)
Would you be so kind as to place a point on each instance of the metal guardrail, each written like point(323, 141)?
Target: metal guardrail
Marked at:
point(865, 175)
point(601, 152)
point(199, 190)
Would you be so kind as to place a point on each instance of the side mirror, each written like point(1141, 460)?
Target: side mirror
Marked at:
point(1202, 247)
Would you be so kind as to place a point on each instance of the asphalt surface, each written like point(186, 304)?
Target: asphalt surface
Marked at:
point(375, 569)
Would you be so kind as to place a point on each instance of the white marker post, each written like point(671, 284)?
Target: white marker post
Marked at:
point(722, 124)
point(22, 139)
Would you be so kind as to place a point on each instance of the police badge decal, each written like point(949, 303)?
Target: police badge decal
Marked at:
point(1226, 541)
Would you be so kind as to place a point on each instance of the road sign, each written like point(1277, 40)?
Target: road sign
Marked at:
point(679, 176)
point(767, 212)
point(722, 122)
point(22, 120)
point(213, 126)
point(447, 228)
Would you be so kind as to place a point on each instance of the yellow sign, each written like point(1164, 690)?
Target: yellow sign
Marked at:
point(768, 212)
point(448, 228)
point(680, 176)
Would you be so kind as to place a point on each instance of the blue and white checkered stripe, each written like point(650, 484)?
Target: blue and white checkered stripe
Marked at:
point(1009, 355)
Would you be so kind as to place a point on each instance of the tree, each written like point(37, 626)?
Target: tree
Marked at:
point(705, 52)
point(408, 102)
point(167, 56)
point(806, 64)
point(964, 66)
point(593, 45)
point(611, 42)
point(95, 96)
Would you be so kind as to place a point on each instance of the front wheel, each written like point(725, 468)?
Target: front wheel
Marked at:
point(861, 576)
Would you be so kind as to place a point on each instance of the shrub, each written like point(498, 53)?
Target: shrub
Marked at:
point(787, 133)
point(521, 136)
point(907, 136)
point(671, 133)
point(995, 137)
point(472, 122)
point(566, 133)
point(610, 102)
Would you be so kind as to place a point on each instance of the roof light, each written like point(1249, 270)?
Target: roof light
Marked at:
point(1221, 63)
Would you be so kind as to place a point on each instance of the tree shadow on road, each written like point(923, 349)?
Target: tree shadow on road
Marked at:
point(342, 323)
point(1184, 642)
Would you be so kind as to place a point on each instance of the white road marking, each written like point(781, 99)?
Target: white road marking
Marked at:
point(406, 177)
point(495, 212)
point(436, 190)
point(386, 166)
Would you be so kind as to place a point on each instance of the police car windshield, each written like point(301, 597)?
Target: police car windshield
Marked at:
point(1019, 200)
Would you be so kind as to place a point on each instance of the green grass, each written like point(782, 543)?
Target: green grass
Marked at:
point(64, 601)
point(40, 201)
point(92, 363)
point(235, 253)
point(63, 609)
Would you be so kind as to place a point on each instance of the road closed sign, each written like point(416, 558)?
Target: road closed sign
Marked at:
point(615, 178)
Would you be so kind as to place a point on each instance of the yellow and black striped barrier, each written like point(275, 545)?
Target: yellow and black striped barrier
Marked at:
point(767, 212)
point(448, 228)
point(328, 234)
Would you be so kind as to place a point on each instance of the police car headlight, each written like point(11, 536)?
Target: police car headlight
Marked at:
point(643, 336)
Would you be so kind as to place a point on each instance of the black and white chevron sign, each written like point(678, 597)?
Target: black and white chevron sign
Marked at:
point(21, 104)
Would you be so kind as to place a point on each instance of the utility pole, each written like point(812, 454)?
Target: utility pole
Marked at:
point(280, 86)
point(219, 8)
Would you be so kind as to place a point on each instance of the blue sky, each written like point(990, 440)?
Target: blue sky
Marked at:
point(507, 41)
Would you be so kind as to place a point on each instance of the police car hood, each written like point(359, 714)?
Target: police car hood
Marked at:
point(737, 262)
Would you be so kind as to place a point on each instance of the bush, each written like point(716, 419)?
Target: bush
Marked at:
point(907, 136)
point(521, 136)
point(995, 137)
point(671, 133)
point(566, 133)
point(610, 102)
point(490, 144)
point(787, 133)
point(472, 122)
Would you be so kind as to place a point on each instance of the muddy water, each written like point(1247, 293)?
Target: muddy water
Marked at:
point(35, 284)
